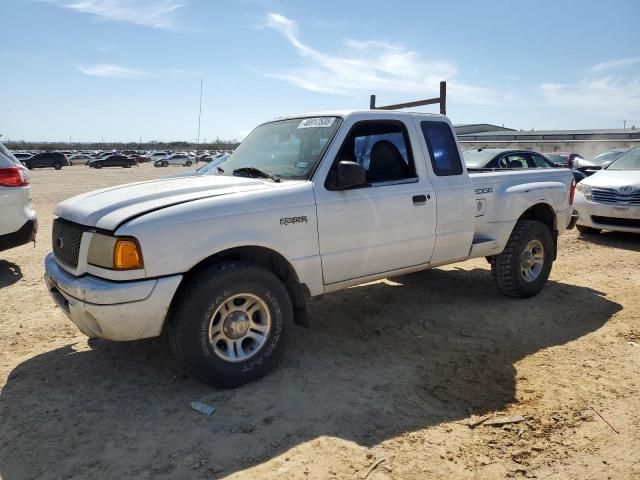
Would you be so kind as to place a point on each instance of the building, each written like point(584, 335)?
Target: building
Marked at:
point(468, 128)
point(587, 143)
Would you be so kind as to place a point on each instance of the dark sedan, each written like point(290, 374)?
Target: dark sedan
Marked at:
point(113, 161)
point(498, 158)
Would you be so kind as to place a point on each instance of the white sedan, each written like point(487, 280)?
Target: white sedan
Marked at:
point(610, 198)
point(18, 220)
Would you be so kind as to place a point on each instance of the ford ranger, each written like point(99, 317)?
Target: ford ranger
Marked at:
point(306, 205)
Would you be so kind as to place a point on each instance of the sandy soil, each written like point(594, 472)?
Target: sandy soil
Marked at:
point(400, 370)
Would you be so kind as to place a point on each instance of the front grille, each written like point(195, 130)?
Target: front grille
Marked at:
point(66, 240)
point(607, 195)
point(616, 222)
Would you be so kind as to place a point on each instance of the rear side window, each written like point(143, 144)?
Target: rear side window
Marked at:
point(539, 161)
point(443, 149)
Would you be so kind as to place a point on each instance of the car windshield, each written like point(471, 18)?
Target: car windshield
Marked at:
point(477, 159)
point(289, 149)
point(605, 157)
point(629, 160)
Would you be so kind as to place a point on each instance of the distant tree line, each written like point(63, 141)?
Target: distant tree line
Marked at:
point(174, 146)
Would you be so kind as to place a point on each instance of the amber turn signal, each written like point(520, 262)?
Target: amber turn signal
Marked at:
point(126, 255)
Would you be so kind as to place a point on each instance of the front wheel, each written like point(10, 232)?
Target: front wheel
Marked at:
point(230, 324)
point(523, 267)
point(57, 166)
point(188, 164)
point(587, 230)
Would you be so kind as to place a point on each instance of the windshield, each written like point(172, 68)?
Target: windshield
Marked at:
point(478, 159)
point(629, 160)
point(605, 157)
point(288, 149)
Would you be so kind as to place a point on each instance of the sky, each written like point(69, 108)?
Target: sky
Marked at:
point(130, 70)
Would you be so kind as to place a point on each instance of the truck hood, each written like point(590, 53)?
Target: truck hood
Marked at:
point(110, 207)
point(614, 179)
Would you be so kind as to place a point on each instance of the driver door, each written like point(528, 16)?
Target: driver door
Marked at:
point(385, 225)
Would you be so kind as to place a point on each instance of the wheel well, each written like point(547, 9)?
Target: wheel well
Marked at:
point(543, 213)
point(267, 258)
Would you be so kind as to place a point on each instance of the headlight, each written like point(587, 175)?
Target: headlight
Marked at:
point(114, 253)
point(585, 190)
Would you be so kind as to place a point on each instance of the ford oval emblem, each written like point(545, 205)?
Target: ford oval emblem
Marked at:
point(59, 242)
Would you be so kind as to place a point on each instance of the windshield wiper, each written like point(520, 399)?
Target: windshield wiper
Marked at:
point(255, 172)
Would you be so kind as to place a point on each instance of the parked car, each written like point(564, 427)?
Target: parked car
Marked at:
point(589, 167)
point(498, 158)
point(113, 161)
point(610, 198)
point(158, 156)
point(55, 160)
point(562, 159)
point(175, 159)
point(18, 220)
point(79, 158)
point(305, 206)
point(211, 168)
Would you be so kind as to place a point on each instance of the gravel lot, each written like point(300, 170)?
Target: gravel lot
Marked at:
point(399, 370)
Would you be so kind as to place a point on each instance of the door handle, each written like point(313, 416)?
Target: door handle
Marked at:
point(417, 199)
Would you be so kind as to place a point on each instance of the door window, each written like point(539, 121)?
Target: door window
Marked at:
point(539, 161)
point(382, 148)
point(515, 160)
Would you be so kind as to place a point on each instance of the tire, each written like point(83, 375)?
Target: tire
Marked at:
point(588, 230)
point(196, 316)
point(188, 164)
point(57, 165)
point(165, 164)
point(126, 165)
point(528, 240)
point(97, 165)
point(29, 166)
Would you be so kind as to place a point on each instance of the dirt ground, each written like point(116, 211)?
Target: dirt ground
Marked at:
point(396, 373)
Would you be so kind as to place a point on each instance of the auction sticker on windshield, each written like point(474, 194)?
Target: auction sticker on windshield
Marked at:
point(322, 122)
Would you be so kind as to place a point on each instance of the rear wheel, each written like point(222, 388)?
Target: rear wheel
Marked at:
point(523, 267)
point(188, 164)
point(165, 164)
point(230, 324)
point(97, 165)
point(587, 230)
point(57, 165)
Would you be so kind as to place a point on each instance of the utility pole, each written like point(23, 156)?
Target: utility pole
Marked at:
point(200, 112)
point(624, 123)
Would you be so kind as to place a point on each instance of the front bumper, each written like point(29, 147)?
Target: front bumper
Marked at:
point(111, 310)
point(26, 234)
point(617, 217)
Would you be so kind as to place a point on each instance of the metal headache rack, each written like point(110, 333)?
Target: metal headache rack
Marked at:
point(441, 100)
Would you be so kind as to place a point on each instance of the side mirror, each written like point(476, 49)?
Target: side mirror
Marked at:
point(350, 174)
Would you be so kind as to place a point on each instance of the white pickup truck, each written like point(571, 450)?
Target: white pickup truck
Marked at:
point(306, 205)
